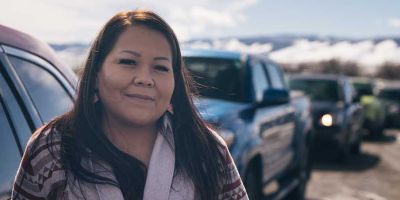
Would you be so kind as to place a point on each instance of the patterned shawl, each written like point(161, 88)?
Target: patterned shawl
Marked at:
point(41, 176)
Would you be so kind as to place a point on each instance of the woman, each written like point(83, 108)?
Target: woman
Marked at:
point(133, 132)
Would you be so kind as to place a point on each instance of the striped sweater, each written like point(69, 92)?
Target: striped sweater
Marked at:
point(41, 175)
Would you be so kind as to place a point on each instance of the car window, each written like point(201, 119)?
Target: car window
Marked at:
point(217, 78)
point(48, 95)
point(363, 88)
point(276, 76)
point(390, 94)
point(260, 81)
point(17, 116)
point(10, 155)
point(318, 90)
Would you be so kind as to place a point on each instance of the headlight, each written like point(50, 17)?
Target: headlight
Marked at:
point(227, 135)
point(327, 120)
point(330, 119)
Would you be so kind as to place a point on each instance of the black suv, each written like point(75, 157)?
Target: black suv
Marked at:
point(34, 88)
point(337, 116)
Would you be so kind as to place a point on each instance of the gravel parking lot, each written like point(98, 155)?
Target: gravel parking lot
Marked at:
point(372, 175)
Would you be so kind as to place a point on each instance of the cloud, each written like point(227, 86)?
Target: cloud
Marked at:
point(73, 56)
point(207, 18)
point(231, 45)
point(79, 21)
point(394, 22)
point(58, 21)
point(365, 53)
point(236, 45)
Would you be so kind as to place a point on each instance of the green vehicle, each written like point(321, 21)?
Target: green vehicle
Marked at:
point(374, 109)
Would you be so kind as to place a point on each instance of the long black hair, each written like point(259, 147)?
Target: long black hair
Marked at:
point(196, 149)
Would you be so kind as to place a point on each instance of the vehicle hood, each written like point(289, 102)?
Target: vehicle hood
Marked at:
point(213, 110)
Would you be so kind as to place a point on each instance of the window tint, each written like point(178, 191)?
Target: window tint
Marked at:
point(363, 88)
point(17, 116)
point(49, 97)
point(9, 154)
point(276, 76)
point(318, 90)
point(259, 80)
point(390, 94)
point(217, 78)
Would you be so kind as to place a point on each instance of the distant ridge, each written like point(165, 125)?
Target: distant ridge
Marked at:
point(283, 48)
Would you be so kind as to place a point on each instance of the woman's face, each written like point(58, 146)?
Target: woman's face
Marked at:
point(136, 80)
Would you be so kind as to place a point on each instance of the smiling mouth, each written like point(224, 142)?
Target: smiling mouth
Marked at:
point(140, 97)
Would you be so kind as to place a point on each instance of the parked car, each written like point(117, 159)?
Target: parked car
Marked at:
point(34, 88)
point(246, 98)
point(337, 118)
point(374, 109)
point(390, 93)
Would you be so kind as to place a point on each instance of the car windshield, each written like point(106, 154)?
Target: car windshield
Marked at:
point(391, 94)
point(217, 78)
point(363, 89)
point(318, 90)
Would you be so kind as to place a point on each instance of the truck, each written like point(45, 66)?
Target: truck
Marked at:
point(267, 128)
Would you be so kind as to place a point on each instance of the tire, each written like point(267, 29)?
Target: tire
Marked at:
point(252, 183)
point(344, 155)
point(356, 147)
point(345, 150)
point(379, 131)
point(303, 173)
point(376, 131)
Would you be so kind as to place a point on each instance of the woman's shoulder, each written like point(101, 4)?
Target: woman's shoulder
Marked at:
point(232, 185)
point(221, 144)
point(43, 142)
point(40, 168)
point(42, 153)
point(43, 148)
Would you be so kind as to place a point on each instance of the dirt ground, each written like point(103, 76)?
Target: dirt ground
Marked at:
point(372, 175)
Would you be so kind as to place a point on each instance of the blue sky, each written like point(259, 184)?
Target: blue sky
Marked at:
point(78, 21)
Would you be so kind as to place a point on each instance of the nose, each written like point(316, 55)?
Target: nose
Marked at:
point(143, 78)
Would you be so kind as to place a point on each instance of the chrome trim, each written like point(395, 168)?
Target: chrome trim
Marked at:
point(43, 63)
point(22, 92)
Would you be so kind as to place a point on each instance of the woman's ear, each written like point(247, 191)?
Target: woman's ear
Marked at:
point(170, 109)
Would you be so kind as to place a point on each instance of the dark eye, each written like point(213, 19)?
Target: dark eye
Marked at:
point(127, 61)
point(162, 68)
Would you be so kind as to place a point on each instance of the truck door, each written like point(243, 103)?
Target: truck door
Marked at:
point(275, 122)
point(10, 130)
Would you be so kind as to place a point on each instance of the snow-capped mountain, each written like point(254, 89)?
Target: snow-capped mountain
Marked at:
point(288, 49)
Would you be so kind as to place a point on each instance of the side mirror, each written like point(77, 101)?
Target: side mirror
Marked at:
point(275, 96)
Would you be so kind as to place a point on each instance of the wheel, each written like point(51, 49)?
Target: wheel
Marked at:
point(252, 183)
point(303, 173)
point(344, 154)
point(379, 130)
point(376, 130)
point(356, 147)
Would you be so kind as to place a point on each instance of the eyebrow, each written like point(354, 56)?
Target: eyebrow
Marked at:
point(131, 52)
point(161, 58)
point(139, 55)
